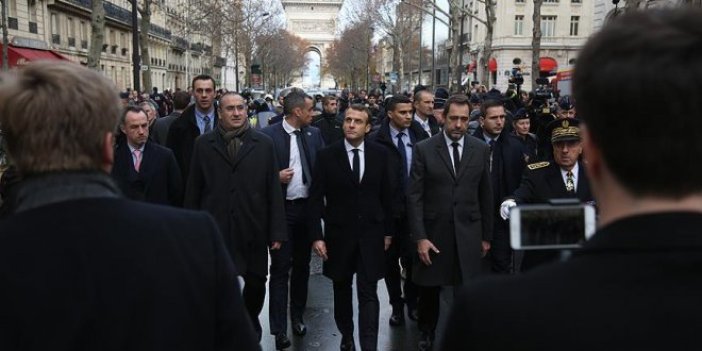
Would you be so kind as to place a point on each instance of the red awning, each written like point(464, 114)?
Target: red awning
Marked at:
point(547, 64)
point(17, 56)
point(492, 65)
point(472, 66)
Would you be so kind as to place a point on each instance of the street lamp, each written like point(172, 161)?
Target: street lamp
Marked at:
point(236, 48)
point(370, 31)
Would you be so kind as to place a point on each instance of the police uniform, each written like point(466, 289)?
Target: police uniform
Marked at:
point(529, 142)
point(543, 181)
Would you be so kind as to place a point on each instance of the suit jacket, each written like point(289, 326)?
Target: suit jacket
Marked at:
point(242, 194)
point(115, 274)
point(161, 126)
point(158, 180)
point(181, 138)
point(634, 286)
point(357, 217)
point(281, 139)
point(453, 211)
point(541, 184)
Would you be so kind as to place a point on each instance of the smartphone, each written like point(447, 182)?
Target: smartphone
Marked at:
point(534, 227)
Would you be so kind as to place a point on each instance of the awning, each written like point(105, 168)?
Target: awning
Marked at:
point(18, 56)
point(472, 66)
point(547, 64)
point(492, 65)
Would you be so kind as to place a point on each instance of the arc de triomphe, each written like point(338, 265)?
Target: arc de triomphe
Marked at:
point(314, 21)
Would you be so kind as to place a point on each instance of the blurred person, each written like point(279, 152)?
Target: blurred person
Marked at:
point(327, 122)
point(522, 125)
point(160, 129)
point(424, 111)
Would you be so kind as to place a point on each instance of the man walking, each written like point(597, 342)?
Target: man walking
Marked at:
point(181, 100)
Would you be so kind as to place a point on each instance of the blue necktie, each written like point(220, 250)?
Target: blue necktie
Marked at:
point(403, 157)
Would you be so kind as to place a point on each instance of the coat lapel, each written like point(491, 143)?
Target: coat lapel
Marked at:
point(343, 160)
point(246, 146)
point(555, 181)
point(443, 151)
point(583, 192)
point(466, 157)
point(217, 143)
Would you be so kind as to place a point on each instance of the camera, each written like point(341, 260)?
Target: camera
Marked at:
point(564, 225)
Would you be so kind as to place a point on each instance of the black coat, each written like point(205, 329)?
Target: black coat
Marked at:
point(161, 126)
point(115, 274)
point(331, 128)
point(357, 217)
point(243, 196)
point(181, 138)
point(158, 180)
point(634, 286)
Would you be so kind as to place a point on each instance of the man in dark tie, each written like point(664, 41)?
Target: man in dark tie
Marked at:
point(353, 190)
point(296, 144)
point(450, 208)
point(197, 119)
point(398, 134)
point(144, 170)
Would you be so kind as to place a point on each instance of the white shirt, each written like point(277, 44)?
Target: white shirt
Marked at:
point(296, 188)
point(450, 141)
point(131, 151)
point(575, 175)
point(423, 123)
point(361, 157)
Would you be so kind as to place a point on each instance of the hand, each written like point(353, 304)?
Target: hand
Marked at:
point(485, 248)
point(286, 175)
point(320, 248)
point(423, 247)
point(276, 245)
point(388, 241)
point(504, 208)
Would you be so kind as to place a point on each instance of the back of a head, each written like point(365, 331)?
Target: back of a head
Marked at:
point(181, 100)
point(644, 56)
point(296, 98)
point(52, 128)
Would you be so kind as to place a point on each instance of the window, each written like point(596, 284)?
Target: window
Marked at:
point(71, 31)
point(519, 25)
point(575, 1)
point(550, 1)
point(574, 24)
point(32, 11)
point(83, 35)
point(55, 29)
point(12, 21)
point(519, 1)
point(548, 26)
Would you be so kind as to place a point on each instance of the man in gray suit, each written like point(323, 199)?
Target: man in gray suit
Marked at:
point(450, 209)
point(181, 99)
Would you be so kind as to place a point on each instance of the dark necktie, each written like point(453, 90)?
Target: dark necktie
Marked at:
point(456, 157)
point(356, 166)
point(208, 126)
point(570, 182)
point(303, 157)
point(492, 147)
point(403, 157)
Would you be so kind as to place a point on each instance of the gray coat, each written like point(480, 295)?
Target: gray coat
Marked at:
point(243, 196)
point(454, 213)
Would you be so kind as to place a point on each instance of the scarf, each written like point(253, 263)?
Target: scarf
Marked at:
point(233, 138)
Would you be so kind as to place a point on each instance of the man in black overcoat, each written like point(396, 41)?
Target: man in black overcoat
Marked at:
point(84, 269)
point(635, 284)
point(353, 190)
point(234, 177)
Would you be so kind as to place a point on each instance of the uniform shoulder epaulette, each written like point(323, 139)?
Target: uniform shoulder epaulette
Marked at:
point(538, 165)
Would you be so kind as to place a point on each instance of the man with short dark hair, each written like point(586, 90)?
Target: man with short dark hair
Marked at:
point(181, 100)
point(144, 170)
point(423, 103)
point(82, 268)
point(635, 284)
point(327, 122)
point(195, 120)
point(353, 191)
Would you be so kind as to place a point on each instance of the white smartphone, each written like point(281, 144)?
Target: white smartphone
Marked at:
point(534, 227)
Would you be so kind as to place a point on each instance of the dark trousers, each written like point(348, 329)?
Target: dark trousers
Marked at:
point(500, 253)
point(254, 294)
point(294, 253)
point(428, 308)
point(368, 308)
point(395, 256)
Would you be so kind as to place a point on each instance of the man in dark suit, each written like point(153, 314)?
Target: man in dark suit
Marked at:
point(296, 146)
point(144, 170)
point(161, 126)
point(197, 119)
point(354, 179)
point(398, 134)
point(635, 284)
point(234, 177)
point(506, 167)
point(563, 178)
point(423, 102)
point(450, 211)
point(82, 268)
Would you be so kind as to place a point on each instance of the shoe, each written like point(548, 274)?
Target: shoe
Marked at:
point(347, 344)
point(398, 317)
point(412, 313)
point(282, 342)
point(299, 328)
point(425, 342)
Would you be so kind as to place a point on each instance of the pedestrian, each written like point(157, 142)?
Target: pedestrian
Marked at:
point(450, 211)
point(327, 122)
point(635, 284)
point(83, 268)
point(181, 100)
point(529, 142)
point(423, 103)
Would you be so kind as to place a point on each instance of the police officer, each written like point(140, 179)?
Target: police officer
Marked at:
point(562, 178)
point(529, 142)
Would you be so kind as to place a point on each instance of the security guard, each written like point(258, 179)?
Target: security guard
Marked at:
point(562, 178)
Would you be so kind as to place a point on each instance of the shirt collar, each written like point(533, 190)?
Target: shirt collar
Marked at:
point(574, 170)
point(201, 115)
point(288, 128)
point(450, 141)
point(488, 138)
point(420, 120)
point(394, 131)
point(131, 148)
point(350, 147)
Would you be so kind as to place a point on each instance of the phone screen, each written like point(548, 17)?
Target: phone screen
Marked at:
point(551, 227)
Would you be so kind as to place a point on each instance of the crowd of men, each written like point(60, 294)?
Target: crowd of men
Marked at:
point(100, 248)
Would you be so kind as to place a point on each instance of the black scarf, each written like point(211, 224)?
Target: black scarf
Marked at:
point(233, 138)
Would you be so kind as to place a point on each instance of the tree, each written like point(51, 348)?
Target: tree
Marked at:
point(97, 36)
point(144, 28)
point(536, 43)
point(281, 53)
point(5, 41)
point(347, 56)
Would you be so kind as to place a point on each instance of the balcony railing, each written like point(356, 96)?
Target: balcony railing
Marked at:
point(197, 47)
point(179, 43)
point(160, 32)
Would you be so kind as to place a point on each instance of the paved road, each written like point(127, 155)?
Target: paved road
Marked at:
point(322, 334)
